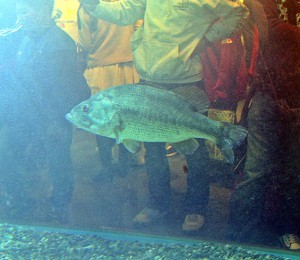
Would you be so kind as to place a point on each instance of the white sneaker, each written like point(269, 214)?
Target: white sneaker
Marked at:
point(148, 216)
point(193, 222)
point(290, 241)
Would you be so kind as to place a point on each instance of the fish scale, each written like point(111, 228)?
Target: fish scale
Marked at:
point(170, 119)
point(134, 113)
point(153, 126)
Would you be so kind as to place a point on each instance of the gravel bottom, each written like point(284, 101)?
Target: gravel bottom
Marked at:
point(22, 242)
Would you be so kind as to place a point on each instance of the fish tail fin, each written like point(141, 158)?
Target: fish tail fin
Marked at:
point(232, 136)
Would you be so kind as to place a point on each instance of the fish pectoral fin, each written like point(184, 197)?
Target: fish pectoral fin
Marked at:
point(117, 130)
point(132, 145)
point(186, 147)
point(117, 137)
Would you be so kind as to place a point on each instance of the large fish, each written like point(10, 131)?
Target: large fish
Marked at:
point(136, 113)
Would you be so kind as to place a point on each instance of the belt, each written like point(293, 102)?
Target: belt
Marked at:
point(199, 84)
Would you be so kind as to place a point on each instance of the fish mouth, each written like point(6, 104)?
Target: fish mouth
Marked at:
point(69, 117)
point(81, 123)
point(72, 119)
point(86, 124)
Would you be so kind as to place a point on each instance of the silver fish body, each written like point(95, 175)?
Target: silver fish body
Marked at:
point(136, 113)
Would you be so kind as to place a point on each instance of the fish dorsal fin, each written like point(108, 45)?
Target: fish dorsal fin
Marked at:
point(132, 145)
point(186, 147)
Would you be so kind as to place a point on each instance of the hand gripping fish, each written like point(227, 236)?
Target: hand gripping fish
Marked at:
point(134, 113)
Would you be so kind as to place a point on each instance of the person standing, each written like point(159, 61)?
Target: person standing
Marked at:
point(47, 85)
point(271, 173)
point(108, 62)
point(166, 50)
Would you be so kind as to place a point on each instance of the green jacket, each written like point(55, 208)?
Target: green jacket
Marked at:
point(166, 47)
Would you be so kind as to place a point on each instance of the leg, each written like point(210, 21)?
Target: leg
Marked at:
point(158, 173)
point(125, 159)
point(108, 168)
point(288, 218)
point(198, 188)
point(263, 159)
point(105, 146)
point(58, 145)
point(198, 181)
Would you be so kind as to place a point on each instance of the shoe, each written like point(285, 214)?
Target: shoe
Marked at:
point(290, 241)
point(148, 216)
point(193, 222)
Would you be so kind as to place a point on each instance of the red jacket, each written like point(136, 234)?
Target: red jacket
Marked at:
point(224, 70)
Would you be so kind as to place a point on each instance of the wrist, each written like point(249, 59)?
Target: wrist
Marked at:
point(90, 5)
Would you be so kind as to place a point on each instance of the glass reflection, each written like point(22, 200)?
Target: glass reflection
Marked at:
point(54, 174)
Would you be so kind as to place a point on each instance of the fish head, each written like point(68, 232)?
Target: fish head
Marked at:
point(96, 115)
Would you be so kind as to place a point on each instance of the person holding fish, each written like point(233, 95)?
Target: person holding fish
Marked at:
point(170, 100)
point(108, 62)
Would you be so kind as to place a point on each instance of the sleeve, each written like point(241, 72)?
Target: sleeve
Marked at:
point(231, 17)
point(64, 86)
point(124, 12)
point(84, 33)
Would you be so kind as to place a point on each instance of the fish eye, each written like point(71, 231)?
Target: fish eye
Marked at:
point(85, 108)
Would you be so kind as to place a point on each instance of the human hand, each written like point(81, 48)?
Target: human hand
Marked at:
point(204, 43)
point(89, 5)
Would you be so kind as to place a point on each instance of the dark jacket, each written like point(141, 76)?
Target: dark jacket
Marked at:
point(47, 77)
